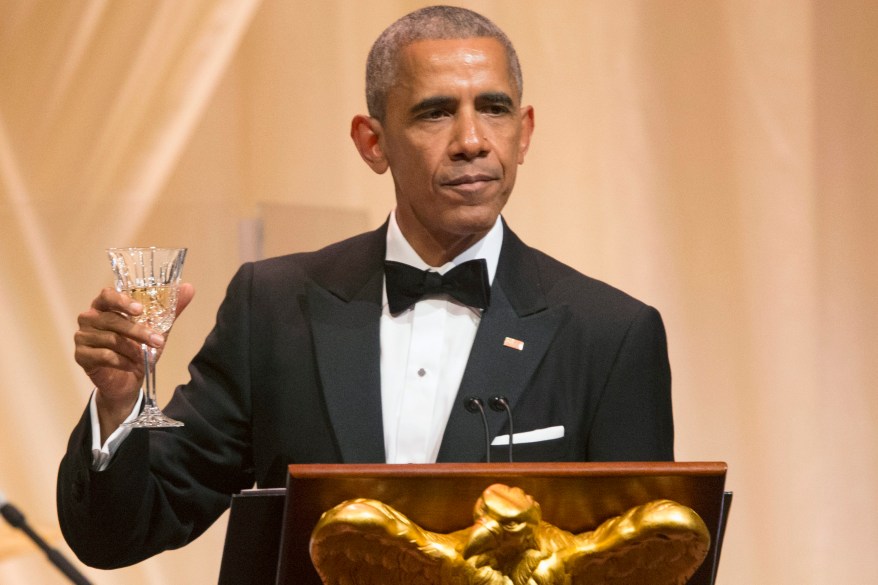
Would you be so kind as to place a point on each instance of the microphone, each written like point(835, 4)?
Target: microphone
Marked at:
point(17, 520)
point(475, 404)
point(500, 403)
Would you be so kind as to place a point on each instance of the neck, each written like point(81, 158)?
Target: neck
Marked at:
point(438, 250)
point(442, 253)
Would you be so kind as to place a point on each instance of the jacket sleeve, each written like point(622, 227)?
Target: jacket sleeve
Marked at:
point(163, 488)
point(634, 418)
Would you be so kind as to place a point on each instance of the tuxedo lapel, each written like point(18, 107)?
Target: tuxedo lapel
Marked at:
point(344, 307)
point(518, 313)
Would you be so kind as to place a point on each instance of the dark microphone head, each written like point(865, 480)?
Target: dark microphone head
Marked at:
point(499, 403)
point(10, 512)
point(474, 404)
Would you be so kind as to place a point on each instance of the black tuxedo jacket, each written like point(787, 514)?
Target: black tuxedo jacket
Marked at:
point(290, 374)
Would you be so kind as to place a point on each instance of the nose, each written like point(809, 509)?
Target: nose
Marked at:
point(469, 141)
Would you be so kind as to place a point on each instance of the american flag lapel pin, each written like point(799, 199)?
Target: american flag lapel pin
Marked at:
point(513, 343)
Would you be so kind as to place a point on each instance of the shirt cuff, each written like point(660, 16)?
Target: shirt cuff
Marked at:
point(101, 454)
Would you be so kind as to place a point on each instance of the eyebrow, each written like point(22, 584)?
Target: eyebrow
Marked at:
point(495, 97)
point(445, 101)
point(437, 101)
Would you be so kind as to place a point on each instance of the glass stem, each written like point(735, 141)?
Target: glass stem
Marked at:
point(149, 376)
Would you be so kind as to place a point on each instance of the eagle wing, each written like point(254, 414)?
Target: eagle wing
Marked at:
point(366, 542)
point(659, 543)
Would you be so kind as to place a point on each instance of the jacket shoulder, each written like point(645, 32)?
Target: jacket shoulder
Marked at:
point(560, 284)
point(338, 262)
point(563, 282)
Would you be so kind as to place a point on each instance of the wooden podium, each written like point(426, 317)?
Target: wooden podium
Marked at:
point(269, 530)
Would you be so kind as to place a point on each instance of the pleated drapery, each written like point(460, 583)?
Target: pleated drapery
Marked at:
point(715, 158)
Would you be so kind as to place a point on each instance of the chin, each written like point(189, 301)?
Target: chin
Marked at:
point(472, 220)
point(471, 228)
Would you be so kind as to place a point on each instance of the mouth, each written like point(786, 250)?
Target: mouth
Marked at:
point(469, 183)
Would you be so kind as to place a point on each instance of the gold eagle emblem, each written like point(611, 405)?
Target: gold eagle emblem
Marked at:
point(366, 542)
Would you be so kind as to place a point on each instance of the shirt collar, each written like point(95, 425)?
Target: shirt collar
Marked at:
point(399, 250)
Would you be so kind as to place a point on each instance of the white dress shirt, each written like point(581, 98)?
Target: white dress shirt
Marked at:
point(424, 351)
point(101, 454)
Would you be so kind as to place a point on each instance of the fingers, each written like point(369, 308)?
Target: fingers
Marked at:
point(108, 338)
point(111, 300)
point(112, 311)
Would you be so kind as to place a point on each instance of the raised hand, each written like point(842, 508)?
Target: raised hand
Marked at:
point(108, 348)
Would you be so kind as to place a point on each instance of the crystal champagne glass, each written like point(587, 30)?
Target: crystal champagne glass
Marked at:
point(150, 276)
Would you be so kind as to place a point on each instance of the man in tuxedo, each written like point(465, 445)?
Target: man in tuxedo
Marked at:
point(368, 350)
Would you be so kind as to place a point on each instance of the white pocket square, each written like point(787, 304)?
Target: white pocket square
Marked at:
point(546, 434)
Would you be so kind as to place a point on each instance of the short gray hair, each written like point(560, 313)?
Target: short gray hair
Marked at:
point(430, 23)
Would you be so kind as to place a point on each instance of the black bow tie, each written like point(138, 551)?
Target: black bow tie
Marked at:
point(406, 285)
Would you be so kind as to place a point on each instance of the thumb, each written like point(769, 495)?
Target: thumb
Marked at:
point(185, 292)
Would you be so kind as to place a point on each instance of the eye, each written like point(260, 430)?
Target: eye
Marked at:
point(432, 115)
point(497, 110)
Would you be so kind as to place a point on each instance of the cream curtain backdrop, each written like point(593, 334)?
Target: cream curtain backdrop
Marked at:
point(714, 158)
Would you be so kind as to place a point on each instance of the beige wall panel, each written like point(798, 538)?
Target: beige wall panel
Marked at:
point(715, 158)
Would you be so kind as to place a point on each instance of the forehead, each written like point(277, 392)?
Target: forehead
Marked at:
point(441, 64)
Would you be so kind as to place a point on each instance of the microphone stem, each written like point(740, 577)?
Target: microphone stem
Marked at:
point(487, 435)
point(17, 520)
point(499, 403)
point(511, 430)
point(474, 404)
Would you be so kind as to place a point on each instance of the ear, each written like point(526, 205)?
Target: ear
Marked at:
point(527, 130)
point(366, 134)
